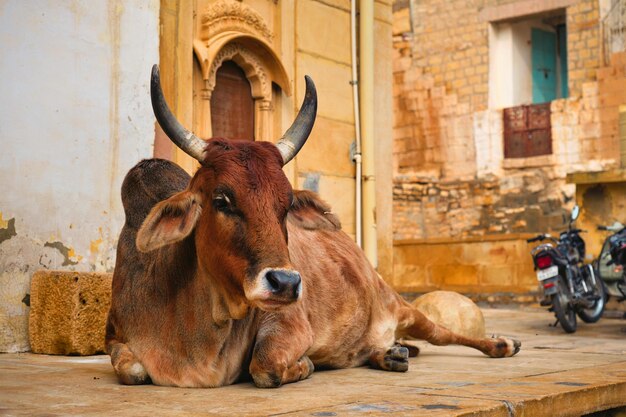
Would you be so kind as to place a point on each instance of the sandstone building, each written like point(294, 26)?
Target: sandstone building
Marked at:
point(500, 108)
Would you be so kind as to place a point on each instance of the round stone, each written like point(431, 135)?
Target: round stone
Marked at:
point(453, 311)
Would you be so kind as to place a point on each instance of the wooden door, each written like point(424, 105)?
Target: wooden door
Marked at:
point(232, 105)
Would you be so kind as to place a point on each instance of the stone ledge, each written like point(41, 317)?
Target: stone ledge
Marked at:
point(68, 312)
point(614, 175)
point(469, 239)
point(520, 9)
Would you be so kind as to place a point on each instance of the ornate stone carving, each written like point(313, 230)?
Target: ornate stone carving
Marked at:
point(254, 69)
point(225, 15)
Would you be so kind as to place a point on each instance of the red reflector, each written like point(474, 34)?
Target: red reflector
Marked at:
point(544, 262)
point(548, 285)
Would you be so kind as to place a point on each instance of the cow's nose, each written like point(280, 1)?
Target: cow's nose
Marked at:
point(284, 282)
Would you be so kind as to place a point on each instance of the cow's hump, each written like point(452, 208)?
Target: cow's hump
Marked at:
point(147, 183)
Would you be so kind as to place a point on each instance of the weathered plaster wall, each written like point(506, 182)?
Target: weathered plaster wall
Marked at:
point(75, 115)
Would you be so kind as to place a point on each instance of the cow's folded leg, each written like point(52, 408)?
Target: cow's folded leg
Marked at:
point(279, 352)
point(394, 359)
point(127, 367)
point(302, 369)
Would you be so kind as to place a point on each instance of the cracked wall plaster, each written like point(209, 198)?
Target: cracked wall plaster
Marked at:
point(75, 117)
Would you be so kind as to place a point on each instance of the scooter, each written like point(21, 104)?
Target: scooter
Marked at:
point(570, 287)
point(612, 260)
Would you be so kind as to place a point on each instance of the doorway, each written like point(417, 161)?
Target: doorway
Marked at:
point(232, 105)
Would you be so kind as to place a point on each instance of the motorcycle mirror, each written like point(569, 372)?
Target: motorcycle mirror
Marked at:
point(575, 212)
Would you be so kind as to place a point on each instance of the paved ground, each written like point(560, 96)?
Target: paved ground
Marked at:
point(555, 374)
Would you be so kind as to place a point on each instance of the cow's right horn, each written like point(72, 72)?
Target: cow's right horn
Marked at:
point(184, 139)
point(295, 137)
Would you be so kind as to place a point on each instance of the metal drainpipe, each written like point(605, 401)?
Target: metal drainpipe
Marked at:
point(357, 129)
point(366, 93)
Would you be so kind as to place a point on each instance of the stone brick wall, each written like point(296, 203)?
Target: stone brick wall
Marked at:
point(450, 177)
point(452, 184)
point(522, 201)
point(584, 46)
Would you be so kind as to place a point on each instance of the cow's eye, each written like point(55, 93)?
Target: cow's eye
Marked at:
point(222, 203)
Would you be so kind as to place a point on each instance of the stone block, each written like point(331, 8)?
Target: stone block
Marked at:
point(590, 89)
point(68, 312)
point(332, 80)
point(328, 150)
point(500, 275)
point(410, 277)
point(333, 42)
point(465, 276)
point(606, 72)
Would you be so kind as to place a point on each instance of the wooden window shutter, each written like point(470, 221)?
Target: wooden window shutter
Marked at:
point(527, 131)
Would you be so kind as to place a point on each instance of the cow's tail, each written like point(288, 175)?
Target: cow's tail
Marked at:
point(414, 324)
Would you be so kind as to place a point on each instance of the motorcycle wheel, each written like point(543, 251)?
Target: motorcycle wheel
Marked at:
point(563, 310)
point(593, 314)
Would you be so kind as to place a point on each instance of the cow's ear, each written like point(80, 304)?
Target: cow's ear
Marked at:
point(310, 212)
point(169, 221)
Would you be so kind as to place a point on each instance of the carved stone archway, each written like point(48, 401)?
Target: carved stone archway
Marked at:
point(232, 31)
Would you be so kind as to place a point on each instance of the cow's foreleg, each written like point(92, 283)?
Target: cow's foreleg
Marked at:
point(415, 324)
point(127, 367)
point(279, 354)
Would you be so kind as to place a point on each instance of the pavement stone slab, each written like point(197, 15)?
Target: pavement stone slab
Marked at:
point(555, 374)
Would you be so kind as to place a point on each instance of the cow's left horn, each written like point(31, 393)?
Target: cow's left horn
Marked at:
point(184, 139)
point(295, 137)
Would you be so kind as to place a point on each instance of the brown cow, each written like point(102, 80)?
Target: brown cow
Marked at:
point(232, 271)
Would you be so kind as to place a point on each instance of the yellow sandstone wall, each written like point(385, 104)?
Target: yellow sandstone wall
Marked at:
point(323, 51)
point(501, 264)
point(310, 37)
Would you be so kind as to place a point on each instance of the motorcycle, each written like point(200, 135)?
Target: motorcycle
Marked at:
point(569, 286)
point(612, 260)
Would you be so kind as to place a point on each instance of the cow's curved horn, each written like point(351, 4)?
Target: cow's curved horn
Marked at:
point(295, 137)
point(184, 139)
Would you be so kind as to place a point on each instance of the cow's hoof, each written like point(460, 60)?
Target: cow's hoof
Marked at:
point(267, 380)
point(396, 359)
point(306, 367)
point(505, 347)
point(134, 374)
point(414, 350)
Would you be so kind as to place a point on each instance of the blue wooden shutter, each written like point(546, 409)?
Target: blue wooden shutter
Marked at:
point(562, 33)
point(543, 55)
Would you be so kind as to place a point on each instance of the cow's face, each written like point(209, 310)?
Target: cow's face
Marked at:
point(236, 205)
